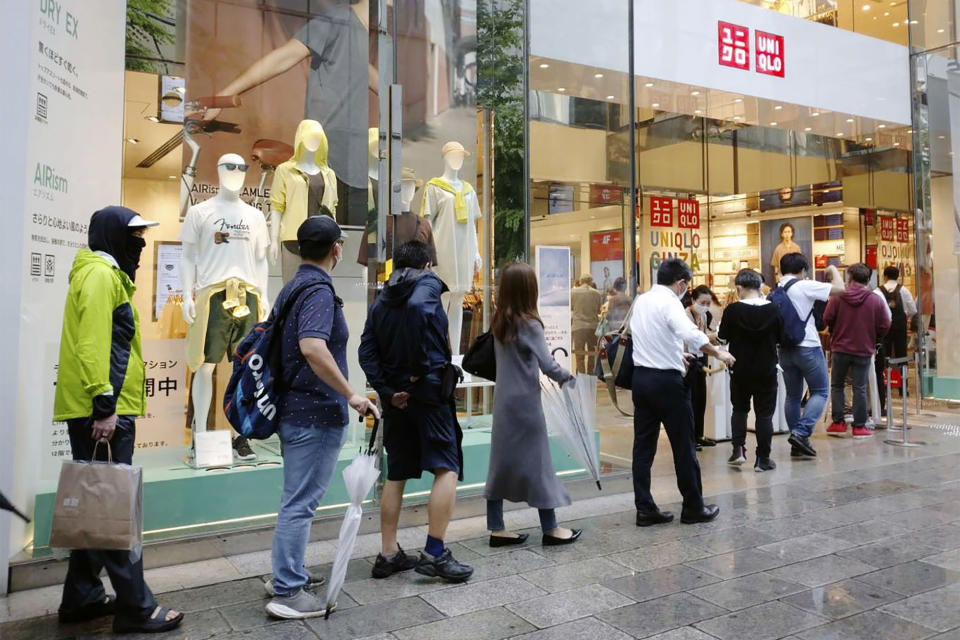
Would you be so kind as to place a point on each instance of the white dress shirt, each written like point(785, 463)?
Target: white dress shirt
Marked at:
point(660, 329)
point(909, 304)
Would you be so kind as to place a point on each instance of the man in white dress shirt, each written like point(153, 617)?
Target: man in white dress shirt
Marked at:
point(663, 339)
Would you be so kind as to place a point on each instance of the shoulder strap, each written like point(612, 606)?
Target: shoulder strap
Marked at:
point(790, 284)
point(294, 295)
point(812, 307)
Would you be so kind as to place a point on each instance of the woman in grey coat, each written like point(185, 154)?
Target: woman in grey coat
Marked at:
point(520, 465)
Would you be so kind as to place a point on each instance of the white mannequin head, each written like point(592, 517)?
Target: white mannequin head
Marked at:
point(232, 171)
point(453, 155)
point(311, 142)
point(407, 190)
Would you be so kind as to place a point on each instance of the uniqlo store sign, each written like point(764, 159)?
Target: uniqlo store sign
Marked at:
point(733, 45)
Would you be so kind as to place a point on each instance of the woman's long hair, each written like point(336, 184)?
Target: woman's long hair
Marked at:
point(516, 301)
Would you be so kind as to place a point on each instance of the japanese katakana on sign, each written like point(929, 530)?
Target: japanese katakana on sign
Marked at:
point(733, 42)
point(903, 230)
point(661, 212)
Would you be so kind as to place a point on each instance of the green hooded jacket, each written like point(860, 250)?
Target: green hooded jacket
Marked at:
point(101, 367)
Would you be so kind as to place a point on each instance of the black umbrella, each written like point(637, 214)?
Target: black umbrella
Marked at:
point(6, 506)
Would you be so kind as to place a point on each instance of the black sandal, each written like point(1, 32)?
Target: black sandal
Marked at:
point(156, 623)
point(88, 612)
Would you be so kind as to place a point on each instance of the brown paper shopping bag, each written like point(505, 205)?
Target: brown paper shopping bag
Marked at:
point(99, 505)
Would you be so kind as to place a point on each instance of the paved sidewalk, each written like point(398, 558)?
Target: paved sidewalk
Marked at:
point(864, 542)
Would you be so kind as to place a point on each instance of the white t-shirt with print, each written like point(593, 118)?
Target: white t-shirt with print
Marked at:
point(803, 294)
point(228, 237)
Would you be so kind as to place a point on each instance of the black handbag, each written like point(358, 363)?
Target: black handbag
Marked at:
point(450, 377)
point(480, 359)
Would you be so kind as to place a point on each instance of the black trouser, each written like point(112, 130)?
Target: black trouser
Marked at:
point(858, 366)
point(763, 390)
point(894, 346)
point(697, 381)
point(662, 396)
point(82, 585)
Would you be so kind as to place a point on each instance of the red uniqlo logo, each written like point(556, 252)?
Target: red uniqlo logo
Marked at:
point(886, 229)
point(903, 230)
point(688, 214)
point(733, 42)
point(769, 53)
point(661, 212)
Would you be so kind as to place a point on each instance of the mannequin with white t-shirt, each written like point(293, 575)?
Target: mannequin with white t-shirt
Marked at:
point(452, 208)
point(225, 242)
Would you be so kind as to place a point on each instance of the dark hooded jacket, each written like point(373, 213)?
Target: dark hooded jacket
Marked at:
point(857, 321)
point(406, 336)
point(753, 332)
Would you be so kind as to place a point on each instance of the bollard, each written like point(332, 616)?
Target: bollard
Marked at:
point(904, 364)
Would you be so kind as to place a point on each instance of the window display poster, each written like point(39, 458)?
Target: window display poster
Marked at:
point(782, 236)
point(560, 198)
point(667, 237)
point(166, 390)
point(606, 258)
point(167, 274)
point(554, 274)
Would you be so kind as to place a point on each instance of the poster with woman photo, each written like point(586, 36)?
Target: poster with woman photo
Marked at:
point(780, 237)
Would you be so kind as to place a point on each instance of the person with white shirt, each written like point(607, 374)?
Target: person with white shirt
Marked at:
point(805, 362)
point(663, 339)
point(902, 308)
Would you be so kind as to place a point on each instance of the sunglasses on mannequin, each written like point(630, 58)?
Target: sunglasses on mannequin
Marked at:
point(233, 166)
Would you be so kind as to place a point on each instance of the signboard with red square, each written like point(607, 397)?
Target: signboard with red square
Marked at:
point(871, 258)
point(733, 43)
point(661, 212)
point(606, 246)
point(886, 229)
point(768, 50)
point(605, 194)
point(688, 214)
point(903, 230)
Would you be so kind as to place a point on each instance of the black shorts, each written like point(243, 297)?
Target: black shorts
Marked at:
point(422, 438)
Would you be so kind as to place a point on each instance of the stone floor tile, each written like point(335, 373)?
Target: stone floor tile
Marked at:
point(660, 582)
point(288, 630)
point(869, 625)
point(887, 553)
point(805, 547)
point(820, 571)
point(374, 618)
point(380, 636)
point(218, 595)
point(794, 526)
point(949, 635)
point(731, 540)
point(357, 569)
point(842, 599)
point(747, 591)
point(943, 538)
point(505, 564)
point(565, 606)
point(472, 597)
point(399, 585)
point(661, 555)
point(682, 633)
point(663, 614)
point(583, 628)
point(938, 609)
point(761, 622)
point(868, 531)
point(575, 574)
point(911, 578)
point(736, 564)
point(921, 518)
point(948, 560)
point(489, 624)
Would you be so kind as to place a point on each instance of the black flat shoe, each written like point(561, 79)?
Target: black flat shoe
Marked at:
point(503, 541)
point(553, 541)
point(707, 513)
point(803, 444)
point(89, 612)
point(706, 442)
point(650, 518)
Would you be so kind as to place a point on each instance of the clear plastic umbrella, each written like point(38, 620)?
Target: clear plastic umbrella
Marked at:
point(569, 411)
point(6, 505)
point(359, 476)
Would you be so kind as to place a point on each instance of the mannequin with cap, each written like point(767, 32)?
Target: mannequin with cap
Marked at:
point(451, 206)
point(223, 273)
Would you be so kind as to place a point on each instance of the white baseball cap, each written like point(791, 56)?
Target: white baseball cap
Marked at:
point(137, 221)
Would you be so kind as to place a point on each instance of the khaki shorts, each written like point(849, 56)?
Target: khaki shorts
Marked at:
point(224, 331)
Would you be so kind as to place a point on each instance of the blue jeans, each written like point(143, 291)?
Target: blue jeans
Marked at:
point(309, 460)
point(799, 364)
point(548, 517)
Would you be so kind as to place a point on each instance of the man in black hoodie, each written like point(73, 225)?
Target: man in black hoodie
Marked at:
point(752, 327)
point(404, 352)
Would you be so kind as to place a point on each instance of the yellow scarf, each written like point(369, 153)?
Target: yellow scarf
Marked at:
point(459, 197)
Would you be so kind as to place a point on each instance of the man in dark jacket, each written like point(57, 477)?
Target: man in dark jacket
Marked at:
point(404, 352)
point(753, 328)
point(857, 320)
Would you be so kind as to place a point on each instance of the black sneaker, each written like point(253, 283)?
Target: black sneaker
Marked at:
point(796, 453)
point(803, 444)
point(764, 464)
point(707, 442)
point(738, 457)
point(385, 567)
point(443, 567)
point(242, 450)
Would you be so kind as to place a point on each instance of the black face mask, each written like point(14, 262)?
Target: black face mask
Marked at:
point(131, 255)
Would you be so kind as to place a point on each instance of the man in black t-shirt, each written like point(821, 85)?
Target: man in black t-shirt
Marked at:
point(753, 327)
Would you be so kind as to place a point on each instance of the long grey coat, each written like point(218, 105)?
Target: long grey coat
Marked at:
point(520, 465)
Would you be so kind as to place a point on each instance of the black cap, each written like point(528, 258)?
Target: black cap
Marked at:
point(321, 231)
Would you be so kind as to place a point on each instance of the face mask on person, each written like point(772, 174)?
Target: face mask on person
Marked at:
point(337, 254)
point(130, 260)
point(701, 308)
point(683, 291)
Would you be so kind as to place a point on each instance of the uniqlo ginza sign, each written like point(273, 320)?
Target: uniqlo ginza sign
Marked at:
point(733, 45)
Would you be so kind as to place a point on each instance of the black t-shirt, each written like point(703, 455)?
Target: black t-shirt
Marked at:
point(753, 332)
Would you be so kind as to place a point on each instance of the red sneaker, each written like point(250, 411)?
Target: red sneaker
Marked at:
point(837, 429)
point(862, 432)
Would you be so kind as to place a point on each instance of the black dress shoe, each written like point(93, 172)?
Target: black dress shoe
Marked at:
point(706, 442)
point(650, 518)
point(803, 444)
point(553, 541)
point(503, 541)
point(707, 513)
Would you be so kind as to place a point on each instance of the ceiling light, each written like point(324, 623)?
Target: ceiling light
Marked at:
point(694, 93)
point(940, 30)
point(172, 177)
point(914, 22)
point(656, 105)
point(132, 140)
point(598, 75)
point(896, 24)
point(909, 130)
point(698, 111)
point(941, 137)
point(886, 13)
point(869, 139)
point(544, 65)
point(839, 134)
point(881, 126)
point(738, 117)
point(850, 120)
point(739, 100)
point(773, 124)
point(778, 107)
point(561, 89)
point(815, 114)
point(896, 144)
point(866, 7)
point(648, 85)
point(808, 128)
point(609, 97)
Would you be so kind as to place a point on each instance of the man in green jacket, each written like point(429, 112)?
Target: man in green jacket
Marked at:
point(100, 392)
